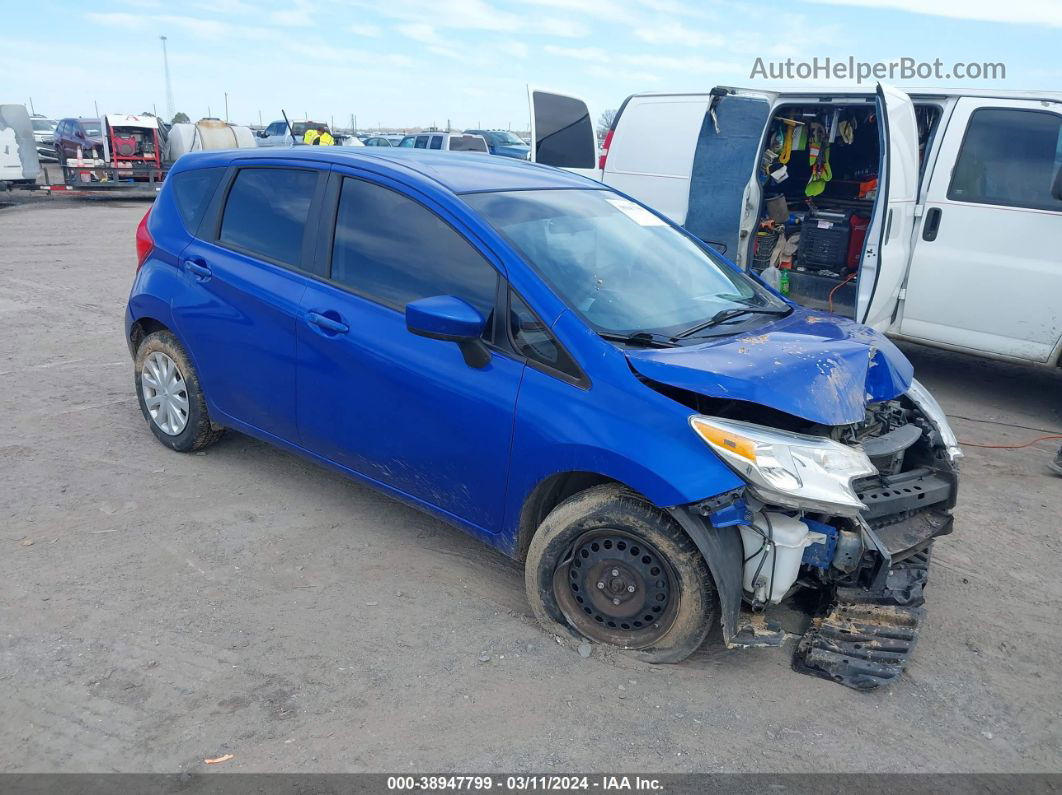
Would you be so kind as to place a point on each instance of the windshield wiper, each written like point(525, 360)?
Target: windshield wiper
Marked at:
point(646, 338)
point(728, 314)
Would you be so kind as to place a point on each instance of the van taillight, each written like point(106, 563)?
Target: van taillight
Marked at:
point(604, 149)
point(144, 243)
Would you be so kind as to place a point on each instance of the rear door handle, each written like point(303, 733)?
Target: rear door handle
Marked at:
point(931, 225)
point(327, 323)
point(198, 268)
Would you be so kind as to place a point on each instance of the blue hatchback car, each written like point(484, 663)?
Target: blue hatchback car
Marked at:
point(561, 372)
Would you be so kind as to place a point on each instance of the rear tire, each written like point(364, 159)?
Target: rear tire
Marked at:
point(608, 566)
point(171, 398)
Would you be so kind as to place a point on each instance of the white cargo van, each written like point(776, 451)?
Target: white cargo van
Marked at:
point(939, 219)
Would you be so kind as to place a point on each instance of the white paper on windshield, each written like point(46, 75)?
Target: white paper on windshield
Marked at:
point(639, 215)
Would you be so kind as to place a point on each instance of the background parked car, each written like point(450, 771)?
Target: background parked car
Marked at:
point(504, 143)
point(376, 140)
point(73, 134)
point(446, 142)
point(277, 134)
point(44, 135)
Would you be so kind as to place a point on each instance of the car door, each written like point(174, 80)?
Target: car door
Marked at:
point(562, 132)
point(887, 251)
point(403, 410)
point(244, 276)
point(985, 275)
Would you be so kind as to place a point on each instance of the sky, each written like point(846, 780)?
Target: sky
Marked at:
point(407, 63)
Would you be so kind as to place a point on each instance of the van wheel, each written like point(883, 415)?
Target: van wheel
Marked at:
point(608, 566)
point(171, 399)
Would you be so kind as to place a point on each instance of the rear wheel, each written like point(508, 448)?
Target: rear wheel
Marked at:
point(170, 396)
point(607, 566)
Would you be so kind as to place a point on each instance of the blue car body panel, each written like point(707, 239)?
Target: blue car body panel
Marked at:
point(813, 365)
point(406, 414)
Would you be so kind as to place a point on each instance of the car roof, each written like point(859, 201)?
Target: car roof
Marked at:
point(459, 172)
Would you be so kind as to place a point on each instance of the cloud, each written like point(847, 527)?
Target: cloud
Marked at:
point(420, 31)
point(1029, 12)
point(362, 29)
point(595, 54)
point(477, 15)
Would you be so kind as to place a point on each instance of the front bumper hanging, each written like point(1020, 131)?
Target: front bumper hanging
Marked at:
point(867, 636)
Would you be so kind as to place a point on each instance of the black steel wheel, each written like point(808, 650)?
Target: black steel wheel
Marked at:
point(607, 566)
point(616, 588)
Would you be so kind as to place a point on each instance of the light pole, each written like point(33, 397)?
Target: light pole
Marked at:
point(169, 89)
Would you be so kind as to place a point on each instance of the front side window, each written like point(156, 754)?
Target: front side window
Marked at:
point(393, 250)
point(422, 142)
point(621, 268)
point(266, 212)
point(1009, 157)
point(407, 142)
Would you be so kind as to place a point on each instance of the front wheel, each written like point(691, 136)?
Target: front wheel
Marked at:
point(608, 566)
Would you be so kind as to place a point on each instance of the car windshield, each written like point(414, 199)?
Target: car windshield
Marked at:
point(91, 128)
point(622, 268)
point(504, 138)
point(43, 125)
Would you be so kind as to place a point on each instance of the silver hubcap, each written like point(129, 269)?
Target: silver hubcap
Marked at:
point(165, 393)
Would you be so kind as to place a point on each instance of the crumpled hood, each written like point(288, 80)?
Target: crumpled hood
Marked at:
point(816, 366)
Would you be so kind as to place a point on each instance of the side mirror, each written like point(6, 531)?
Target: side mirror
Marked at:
point(262, 134)
point(444, 317)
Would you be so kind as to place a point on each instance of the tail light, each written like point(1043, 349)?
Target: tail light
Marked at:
point(144, 242)
point(604, 148)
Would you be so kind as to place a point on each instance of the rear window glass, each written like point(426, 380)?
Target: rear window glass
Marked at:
point(467, 143)
point(266, 212)
point(192, 192)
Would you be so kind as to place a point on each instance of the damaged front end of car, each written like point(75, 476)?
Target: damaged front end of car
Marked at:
point(850, 511)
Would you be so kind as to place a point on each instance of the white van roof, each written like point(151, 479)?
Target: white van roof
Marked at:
point(920, 92)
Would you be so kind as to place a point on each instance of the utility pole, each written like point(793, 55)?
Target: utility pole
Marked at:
point(32, 111)
point(226, 107)
point(353, 126)
point(97, 107)
point(259, 118)
point(169, 88)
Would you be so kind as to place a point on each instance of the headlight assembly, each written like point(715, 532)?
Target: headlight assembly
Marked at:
point(928, 405)
point(789, 469)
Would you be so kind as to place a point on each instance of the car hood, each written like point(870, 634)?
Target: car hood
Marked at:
point(815, 366)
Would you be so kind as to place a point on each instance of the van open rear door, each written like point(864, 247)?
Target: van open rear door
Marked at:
point(888, 248)
point(562, 132)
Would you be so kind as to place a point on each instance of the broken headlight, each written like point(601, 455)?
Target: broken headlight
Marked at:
point(789, 469)
point(932, 411)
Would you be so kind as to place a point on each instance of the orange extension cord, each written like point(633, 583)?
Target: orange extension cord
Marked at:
point(838, 286)
point(1013, 446)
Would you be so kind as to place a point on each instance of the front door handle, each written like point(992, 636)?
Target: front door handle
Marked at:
point(198, 268)
point(329, 324)
point(932, 224)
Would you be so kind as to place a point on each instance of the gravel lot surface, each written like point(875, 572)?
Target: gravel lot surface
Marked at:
point(157, 609)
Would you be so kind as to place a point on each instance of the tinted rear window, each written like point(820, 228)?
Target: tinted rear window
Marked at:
point(192, 192)
point(266, 212)
point(467, 143)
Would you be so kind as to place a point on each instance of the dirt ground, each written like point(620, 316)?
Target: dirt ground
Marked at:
point(157, 609)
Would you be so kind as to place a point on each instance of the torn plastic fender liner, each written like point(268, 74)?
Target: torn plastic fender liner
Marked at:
point(722, 551)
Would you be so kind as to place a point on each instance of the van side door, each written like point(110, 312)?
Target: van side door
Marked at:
point(403, 411)
point(562, 133)
point(887, 250)
point(985, 275)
